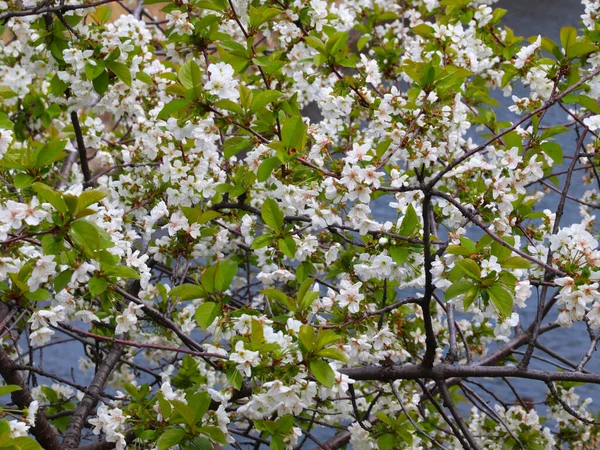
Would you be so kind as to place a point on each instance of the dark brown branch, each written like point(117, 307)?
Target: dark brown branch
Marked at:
point(85, 168)
point(51, 9)
point(126, 343)
point(425, 303)
point(447, 371)
point(72, 436)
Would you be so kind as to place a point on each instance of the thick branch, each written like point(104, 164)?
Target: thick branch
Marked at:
point(89, 401)
point(43, 431)
point(447, 371)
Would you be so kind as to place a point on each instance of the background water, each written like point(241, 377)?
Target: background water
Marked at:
point(526, 18)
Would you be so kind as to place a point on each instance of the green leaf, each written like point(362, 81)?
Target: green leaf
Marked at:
point(38, 295)
point(214, 433)
point(226, 271)
point(170, 438)
point(22, 180)
point(206, 313)
point(90, 236)
point(470, 267)
point(458, 250)
point(287, 246)
point(333, 353)
point(207, 279)
point(101, 82)
point(188, 291)
point(8, 389)
point(470, 296)
point(183, 410)
point(304, 289)
point(171, 107)
point(266, 168)
point(323, 373)
point(58, 86)
point(568, 36)
point(398, 254)
point(229, 105)
point(199, 402)
point(263, 98)
point(50, 153)
point(53, 197)
point(458, 288)
point(235, 145)
point(6, 92)
point(386, 442)
point(278, 296)
point(121, 71)
point(583, 100)
point(272, 215)
point(62, 280)
point(501, 298)
point(88, 198)
point(516, 262)
point(410, 222)
point(165, 406)
point(293, 133)
point(25, 443)
point(123, 272)
point(93, 69)
point(235, 378)
point(143, 76)
point(468, 244)
point(277, 443)
point(97, 285)
point(315, 43)
point(195, 215)
point(423, 30)
point(581, 47)
point(554, 151)
point(307, 337)
point(190, 74)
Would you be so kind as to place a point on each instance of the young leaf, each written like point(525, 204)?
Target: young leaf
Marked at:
point(188, 291)
point(121, 71)
point(88, 198)
point(226, 271)
point(53, 197)
point(516, 262)
point(206, 313)
point(272, 215)
point(8, 389)
point(266, 168)
point(470, 267)
point(501, 298)
point(293, 133)
point(170, 438)
point(410, 222)
point(458, 288)
point(323, 373)
point(287, 246)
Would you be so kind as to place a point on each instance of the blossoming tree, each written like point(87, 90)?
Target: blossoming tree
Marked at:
point(295, 224)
